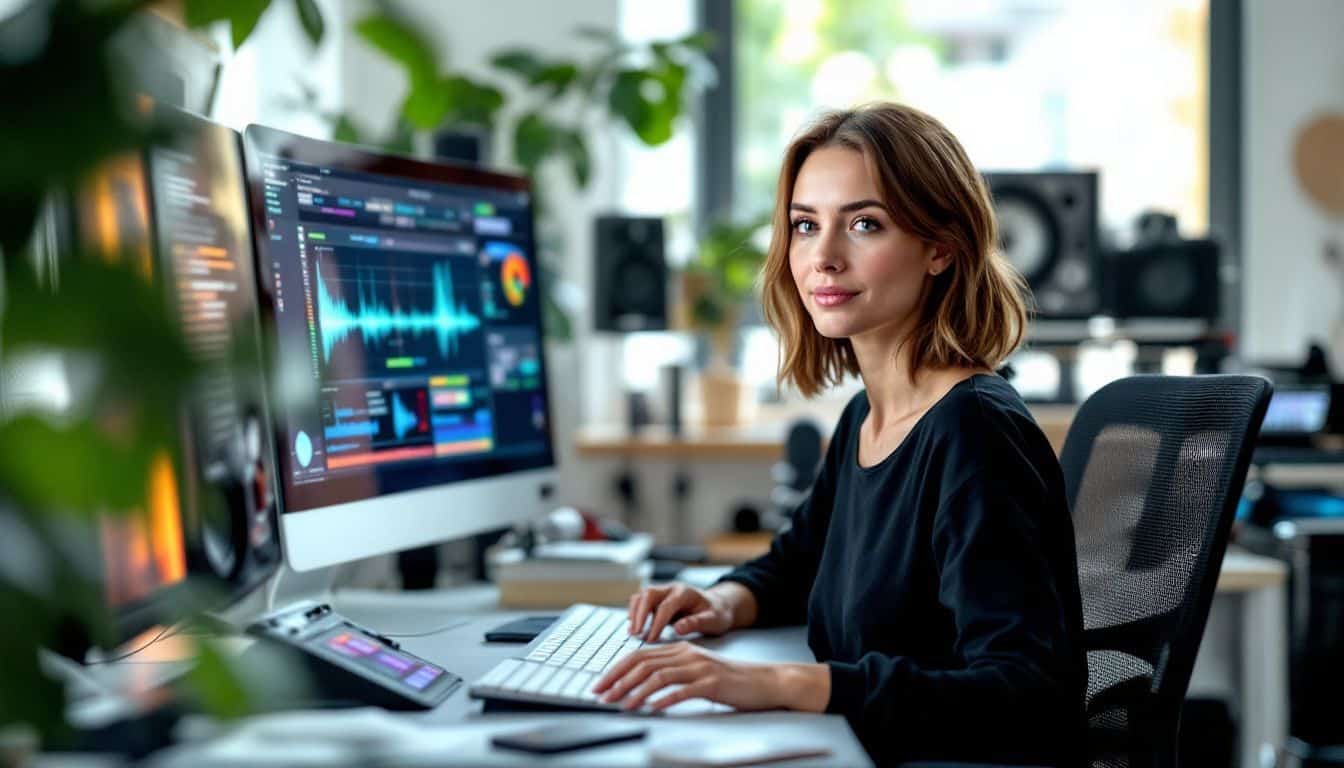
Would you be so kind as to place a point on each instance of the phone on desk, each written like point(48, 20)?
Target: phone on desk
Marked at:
point(568, 735)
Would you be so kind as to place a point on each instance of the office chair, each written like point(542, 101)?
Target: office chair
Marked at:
point(1153, 468)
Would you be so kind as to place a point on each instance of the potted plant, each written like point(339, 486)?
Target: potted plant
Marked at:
point(716, 286)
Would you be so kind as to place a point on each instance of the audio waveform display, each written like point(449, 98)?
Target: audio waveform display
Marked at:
point(375, 321)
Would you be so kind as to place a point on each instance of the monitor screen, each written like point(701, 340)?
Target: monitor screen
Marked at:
point(177, 212)
point(403, 303)
point(1296, 412)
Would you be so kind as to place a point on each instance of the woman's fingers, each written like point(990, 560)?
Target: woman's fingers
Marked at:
point(675, 600)
point(699, 689)
point(659, 679)
point(623, 667)
point(703, 622)
point(645, 602)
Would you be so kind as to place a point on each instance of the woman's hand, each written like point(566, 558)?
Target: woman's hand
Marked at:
point(694, 610)
point(703, 675)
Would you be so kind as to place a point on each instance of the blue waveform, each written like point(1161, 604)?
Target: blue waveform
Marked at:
point(374, 321)
point(403, 418)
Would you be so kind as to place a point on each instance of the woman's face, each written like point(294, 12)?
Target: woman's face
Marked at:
point(856, 271)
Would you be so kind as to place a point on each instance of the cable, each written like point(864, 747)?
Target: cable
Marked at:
point(164, 634)
point(427, 633)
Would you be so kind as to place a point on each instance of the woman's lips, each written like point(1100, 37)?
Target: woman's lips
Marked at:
point(832, 298)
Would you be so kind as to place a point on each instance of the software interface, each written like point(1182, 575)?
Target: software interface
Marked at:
point(412, 308)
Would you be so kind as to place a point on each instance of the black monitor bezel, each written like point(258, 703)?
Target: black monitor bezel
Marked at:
point(259, 141)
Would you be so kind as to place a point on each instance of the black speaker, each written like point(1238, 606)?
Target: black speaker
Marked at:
point(1048, 231)
point(462, 144)
point(1176, 279)
point(630, 281)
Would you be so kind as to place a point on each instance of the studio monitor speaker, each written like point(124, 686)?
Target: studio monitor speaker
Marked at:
point(1048, 231)
point(1174, 279)
point(630, 291)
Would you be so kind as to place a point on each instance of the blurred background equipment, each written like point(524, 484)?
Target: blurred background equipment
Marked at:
point(630, 274)
point(1163, 275)
point(1048, 231)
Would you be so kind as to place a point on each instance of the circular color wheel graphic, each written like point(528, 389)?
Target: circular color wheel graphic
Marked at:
point(516, 278)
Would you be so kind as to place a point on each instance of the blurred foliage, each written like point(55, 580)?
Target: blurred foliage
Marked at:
point(780, 51)
point(57, 86)
point(723, 277)
point(68, 105)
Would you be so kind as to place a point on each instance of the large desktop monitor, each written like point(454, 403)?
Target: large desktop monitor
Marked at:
point(177, 210)
point(401, 299)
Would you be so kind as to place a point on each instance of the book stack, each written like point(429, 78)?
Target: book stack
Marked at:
point(559, 574)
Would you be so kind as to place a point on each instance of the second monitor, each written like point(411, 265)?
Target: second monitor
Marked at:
point(402, 303)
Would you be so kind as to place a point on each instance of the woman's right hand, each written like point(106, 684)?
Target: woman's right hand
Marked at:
point(684, 607)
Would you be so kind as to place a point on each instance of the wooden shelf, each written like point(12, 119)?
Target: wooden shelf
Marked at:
point(762, 440)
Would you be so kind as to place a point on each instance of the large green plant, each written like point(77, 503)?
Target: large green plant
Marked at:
point(68, 106)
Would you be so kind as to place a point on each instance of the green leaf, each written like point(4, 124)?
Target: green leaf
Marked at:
point(703, 41)
point(575, 149)
point(112, 471)
point(108, 311)
point(426, 105)
point(216, 686)
point(556, 77)
point(346, 130)
point(48, 102)
point(471, 102)
point(533, 139)
point(518, 61)
point(311, 18)
point(649, 100)
point(403, 44)
point(242, 15)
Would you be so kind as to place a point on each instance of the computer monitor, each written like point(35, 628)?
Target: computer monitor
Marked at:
point(403, 304)
point(177, 211)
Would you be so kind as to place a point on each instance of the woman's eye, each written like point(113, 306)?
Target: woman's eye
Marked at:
point(804, 226)
point(866, 224)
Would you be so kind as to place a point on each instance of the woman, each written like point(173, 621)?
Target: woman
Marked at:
point(933, 562)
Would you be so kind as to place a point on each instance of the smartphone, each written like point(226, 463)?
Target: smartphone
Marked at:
point(568, 735)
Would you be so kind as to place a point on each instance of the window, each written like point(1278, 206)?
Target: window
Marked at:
point(1025, 84)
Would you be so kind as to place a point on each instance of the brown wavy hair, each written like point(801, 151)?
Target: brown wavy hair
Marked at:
point(974, 313)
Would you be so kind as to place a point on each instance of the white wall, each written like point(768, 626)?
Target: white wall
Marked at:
point(1293, 69)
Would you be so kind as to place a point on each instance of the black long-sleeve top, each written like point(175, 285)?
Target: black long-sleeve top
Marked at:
point(940, 586)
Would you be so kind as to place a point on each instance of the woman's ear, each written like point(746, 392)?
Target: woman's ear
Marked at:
point(940, 261)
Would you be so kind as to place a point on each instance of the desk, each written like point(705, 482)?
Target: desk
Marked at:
point(460, 733)
point(1250, 603)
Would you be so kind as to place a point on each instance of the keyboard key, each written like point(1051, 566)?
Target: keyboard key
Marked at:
point(556, 683)
point(535, 682)
point(577, 685)
point(499, 673)
point(520, 676)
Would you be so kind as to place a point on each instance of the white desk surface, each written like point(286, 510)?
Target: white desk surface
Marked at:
point(463, 651)
point(458, 732)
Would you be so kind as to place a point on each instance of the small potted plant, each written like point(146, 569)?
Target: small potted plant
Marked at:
point(716, 286)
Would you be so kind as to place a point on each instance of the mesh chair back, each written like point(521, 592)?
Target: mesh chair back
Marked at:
point(1153, 467)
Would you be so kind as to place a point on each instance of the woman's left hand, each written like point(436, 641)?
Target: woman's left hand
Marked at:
point(703, 675)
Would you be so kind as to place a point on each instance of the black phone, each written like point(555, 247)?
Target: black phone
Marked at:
point(522, 630)
point(567, 735)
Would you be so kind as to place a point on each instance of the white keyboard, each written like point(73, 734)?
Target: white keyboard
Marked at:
point(563, 663)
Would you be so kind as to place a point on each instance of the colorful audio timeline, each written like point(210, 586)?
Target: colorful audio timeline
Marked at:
point(399, 422)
